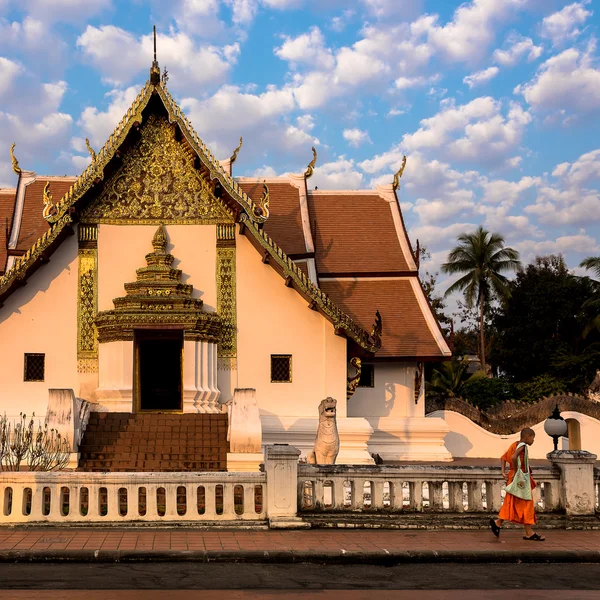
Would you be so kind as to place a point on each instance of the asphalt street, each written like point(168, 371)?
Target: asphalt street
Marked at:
point(297, 577)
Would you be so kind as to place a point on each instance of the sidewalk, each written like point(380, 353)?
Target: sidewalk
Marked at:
point(108, 544)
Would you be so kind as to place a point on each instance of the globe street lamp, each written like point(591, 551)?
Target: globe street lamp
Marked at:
point(555, 426)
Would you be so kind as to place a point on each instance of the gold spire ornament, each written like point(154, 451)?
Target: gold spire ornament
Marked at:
point(398, 174)
point(49, 209)
point(90, 149)
point(236, 152)
point(15, 162)
point(155, 69)
point(311, 165)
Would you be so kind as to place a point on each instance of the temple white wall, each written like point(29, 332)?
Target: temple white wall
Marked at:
point(467, 439)
point(275, 319)
point(40, 317)
point(122, 250)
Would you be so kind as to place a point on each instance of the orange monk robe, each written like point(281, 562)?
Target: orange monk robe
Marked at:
point(516, 509)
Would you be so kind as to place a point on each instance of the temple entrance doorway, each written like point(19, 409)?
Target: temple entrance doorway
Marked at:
point(158, 370)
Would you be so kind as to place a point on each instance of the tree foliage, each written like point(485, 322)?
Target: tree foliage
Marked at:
point(481, 258)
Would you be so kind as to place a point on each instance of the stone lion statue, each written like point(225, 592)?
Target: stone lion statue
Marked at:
point(327, 442)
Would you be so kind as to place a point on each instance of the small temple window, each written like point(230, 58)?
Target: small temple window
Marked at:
point(281, 368)
point(34, 367)
point(367, 376)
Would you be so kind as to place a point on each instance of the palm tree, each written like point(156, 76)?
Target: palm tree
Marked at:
point(592, 263)
point(450, 378)
point(482, 257)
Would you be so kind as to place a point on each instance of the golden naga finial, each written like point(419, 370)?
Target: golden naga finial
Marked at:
point(398, 174)
point(352, 382)
point(262, 209)
point(311, 165)
point(15, 162)
point(236, 152)
point(377, 330)
point(90, 149)
point(49, 209)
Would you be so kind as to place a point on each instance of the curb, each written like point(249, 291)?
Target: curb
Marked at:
point(289, 556)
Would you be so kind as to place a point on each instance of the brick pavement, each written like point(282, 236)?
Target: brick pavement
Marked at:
point(32, 541)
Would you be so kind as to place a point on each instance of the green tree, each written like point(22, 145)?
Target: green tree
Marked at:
point(482, 258)
point(539, 329)
point(450, 378)
point(592, 263)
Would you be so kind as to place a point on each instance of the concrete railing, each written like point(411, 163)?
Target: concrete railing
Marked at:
point(570, 485)
point(81, 497)
point(414, 488)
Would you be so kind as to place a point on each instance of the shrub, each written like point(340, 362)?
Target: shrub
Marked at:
point(538, 387)
point(485, 392)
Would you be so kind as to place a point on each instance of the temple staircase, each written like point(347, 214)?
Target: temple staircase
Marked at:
point(154, 442)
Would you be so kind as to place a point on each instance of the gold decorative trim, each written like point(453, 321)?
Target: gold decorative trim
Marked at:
point(15, 163)
point(157, 183)
point(90, 149)
point(226, 232)
point(236, 152)
point(88, 233)
point(398, 174)
point(87, 365)
point(318, 299)
point(353, 380)
point(87, 307)
point(157, 299)
point(49, 208)
point(311, 165)
point(226, 305)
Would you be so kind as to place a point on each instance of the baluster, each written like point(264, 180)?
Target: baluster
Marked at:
point(171, 501)
point(377, 494)
point(494, 495)
point(416, 495)
point(338, 493)
point(319, 494)
point(474, 495)
point(151, 503)
point(228, 501)
point(210, 512)
point(436, 495)
point(358, 491)
point(537, 498)
point(249, 506)
point(37, 500)
point(16, 513)
point(112, 499)
point(551, 496)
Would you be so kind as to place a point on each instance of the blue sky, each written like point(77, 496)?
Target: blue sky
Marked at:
point(495, 103)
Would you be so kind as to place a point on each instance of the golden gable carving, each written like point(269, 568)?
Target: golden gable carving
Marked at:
point(157, 183)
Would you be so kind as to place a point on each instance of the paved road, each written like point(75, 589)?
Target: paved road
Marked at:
point(296, 577)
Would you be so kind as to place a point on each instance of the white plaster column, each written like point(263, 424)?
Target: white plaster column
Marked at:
point(115, 376)
point(200, 392)
point(577, 491)
point(244, 432)
point(282, 487)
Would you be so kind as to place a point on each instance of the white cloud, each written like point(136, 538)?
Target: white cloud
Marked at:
point(518, 48)
point(481, 77)
point(244, 11)
point(585, 169)
point(566, 81)
point(471, 30)
point(564, 25)
point(8, 73)
point(340, 174)
point(120, 56)
point(477, 130)
point(580, 242)
point(65, 10)
point(355, 137)
point(308, 48)
point(500, 191)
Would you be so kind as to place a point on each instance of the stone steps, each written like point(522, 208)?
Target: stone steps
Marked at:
point(154, 442)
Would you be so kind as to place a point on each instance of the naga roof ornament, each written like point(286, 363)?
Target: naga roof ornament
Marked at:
point(49, 209)
point(15, 163)
point(311, 165)
point(236, 152)
point(90, 149)
point(398, 174)
point(377, 330)
point(263, 209)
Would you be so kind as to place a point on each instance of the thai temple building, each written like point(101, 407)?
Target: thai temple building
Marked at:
point(181, 303)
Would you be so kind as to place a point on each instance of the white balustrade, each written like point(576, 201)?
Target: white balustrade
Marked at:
point(414, 488)
point(81, 497)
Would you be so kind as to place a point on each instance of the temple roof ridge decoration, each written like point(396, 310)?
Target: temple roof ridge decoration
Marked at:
point(158, 297)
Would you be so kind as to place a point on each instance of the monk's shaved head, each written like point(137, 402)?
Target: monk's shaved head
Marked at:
point(527, 432)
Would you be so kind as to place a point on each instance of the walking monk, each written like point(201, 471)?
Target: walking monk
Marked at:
point(514, 509)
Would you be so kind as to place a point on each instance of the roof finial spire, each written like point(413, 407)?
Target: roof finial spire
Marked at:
point(155, 69)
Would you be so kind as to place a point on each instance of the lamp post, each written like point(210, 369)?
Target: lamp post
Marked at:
point(555, 426)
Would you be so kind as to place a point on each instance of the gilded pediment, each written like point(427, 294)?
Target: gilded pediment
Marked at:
point(157, 183)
